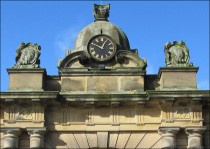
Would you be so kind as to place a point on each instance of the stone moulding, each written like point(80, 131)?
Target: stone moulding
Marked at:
point(106, 72)
point(177, 69)
point(45, 95)
point(72, 57)
point(49, 95)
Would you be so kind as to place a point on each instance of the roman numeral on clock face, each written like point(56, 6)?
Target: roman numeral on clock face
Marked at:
point(94, 52)
point(110, 52)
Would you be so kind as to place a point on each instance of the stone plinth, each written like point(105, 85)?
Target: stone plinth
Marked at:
point(195, 137)
point(26, 79)
point(11, 136)
point(36, 137)
point(175, 78)
point(168, 136)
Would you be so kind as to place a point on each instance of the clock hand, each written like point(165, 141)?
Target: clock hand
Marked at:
point(103, 44)
point(96, 45)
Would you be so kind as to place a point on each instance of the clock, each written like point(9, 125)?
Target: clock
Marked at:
point(101, 48)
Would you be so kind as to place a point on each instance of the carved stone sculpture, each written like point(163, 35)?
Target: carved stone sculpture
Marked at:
point(27, 56)
point(101, 12)
point(177, 54)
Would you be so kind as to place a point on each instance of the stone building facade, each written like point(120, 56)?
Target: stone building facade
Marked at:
point(103, 98)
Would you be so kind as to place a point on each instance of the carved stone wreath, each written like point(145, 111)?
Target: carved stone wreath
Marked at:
point(27, 56)
point(177, 54)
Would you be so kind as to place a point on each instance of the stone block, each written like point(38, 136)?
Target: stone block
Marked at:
point(178, 78)
point(26, 79)
point(102, 83)
point(133, 83)
point(52, 83)
point(73, 83)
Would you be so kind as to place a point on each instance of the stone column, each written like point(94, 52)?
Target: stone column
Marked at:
point(195, 136)
point(36, 137)
point(11, 137)
point(168, 136)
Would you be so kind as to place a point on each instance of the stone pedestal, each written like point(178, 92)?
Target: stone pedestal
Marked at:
point(168, 136)
point(11, 136)
point(36, 137)
point(195, 137)
point(175, 78)
point(26, 79)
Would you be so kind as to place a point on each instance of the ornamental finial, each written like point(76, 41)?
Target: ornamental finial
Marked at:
point(101, 12)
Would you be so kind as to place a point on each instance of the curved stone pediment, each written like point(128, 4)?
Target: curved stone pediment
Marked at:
point(122, 59)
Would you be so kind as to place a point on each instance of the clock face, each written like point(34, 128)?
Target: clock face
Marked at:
point(101, 48)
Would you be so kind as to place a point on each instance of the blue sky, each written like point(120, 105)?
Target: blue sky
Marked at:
point(148, 24)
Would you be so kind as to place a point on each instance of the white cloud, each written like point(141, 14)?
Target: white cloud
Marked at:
point(66, 39)
point(203, 85)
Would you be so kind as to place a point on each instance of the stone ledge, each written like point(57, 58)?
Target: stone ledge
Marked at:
point(177, 69)
point(106, 72)
point(28, 70)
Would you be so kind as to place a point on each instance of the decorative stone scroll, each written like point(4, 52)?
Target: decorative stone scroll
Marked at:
point(182, 113)
point(121, 55)
point(101, 12)
point(15, 113)
point(27, 56)
point(177, 54)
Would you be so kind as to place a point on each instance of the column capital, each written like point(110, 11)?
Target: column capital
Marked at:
point(195, 136)
point(190, 130)
point(36, 136)
point(168, 136)
point(11, 130)
point(11, 135)
point(170, 130)
point(36, 130)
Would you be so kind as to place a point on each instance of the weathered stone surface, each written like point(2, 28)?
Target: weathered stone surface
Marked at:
point(73, 83)
point(133, 83)
point(195, 138)
point(52, 83)
point(36, 137)
point(11, 137)
point(113, 104)
point(27, 56)
point(177, 54)
point(26, 79)
point(178, 79)
point(103, 84)
point(101, 12)
point(168, 136)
